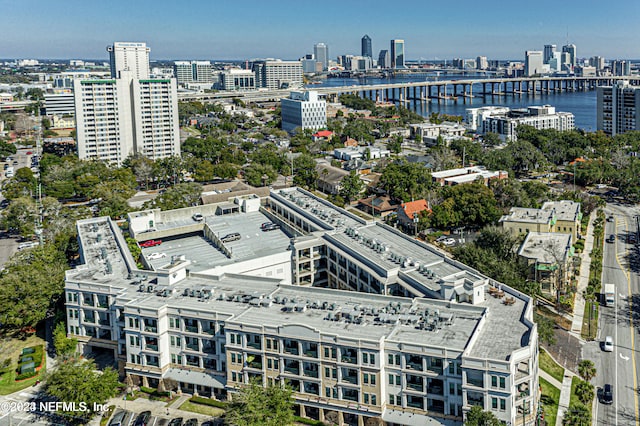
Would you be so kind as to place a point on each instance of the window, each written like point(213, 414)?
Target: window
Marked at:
point(494, 381)
point(394, 359)
point(502, 383)
point(366, 398)
point(175, 341)
point(494, 403)
point(174, 322)
point(234, 376)
point(503, 404)
point(373, 399)
point(392, 399)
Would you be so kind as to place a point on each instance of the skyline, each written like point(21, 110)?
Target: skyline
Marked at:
point(203, 30)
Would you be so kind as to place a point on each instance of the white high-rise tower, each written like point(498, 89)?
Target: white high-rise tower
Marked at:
point(129, 56)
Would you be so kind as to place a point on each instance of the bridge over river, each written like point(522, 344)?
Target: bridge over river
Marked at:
point(426, 91)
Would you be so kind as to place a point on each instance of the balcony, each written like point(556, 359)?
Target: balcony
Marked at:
point(416, 386)
point(414, 366)
point(150, 347)
point(254, 345)
point(293, 350)
point(150, 329)
point(255, 364)
point(311, 353)
point(193, 346)
point(191, 328)
point(353, 379)
point(292, 370)
point(311, 373)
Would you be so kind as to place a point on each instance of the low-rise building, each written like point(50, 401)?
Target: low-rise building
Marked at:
point(430, 133)
point(418, 339)
point(467, 175)
point(548, 256)
point(554, 216)
point(360, 152)
point(409, 214)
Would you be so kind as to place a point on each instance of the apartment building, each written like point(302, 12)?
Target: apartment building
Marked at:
point(554, 216)
point(130, 56)
point(417, 339)
point(193, 72)
point(278, 74)
point(304, 110)
point(617, 107)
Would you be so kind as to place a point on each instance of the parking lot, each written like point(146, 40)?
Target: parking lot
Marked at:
point(122, 417)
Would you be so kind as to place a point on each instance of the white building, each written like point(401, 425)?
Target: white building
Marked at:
point(307, 110)
point(418, 339)
point(360, 152)
point(59, 104)
point(618, 108)
point(237, 79)
point(476, 116)
point(504, 123)
point(533, 63)
point(129, 56)
point(278, 74)
point(430, 132)
point(118, 117)
point(193, 72)
point(321, 55)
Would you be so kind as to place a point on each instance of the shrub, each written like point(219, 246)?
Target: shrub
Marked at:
point(308, 421)
point(26, 375)
point(208, 401)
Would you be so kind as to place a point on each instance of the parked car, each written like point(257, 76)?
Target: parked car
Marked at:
point(118, 418)
point(154, 256)
point(150, 243)
point(143, 419)
point(449, 242)
point(632, 238)
point(27, 245)
point(607, 345)
point(191, 422)
point(269, 226)
point(606, 397)
point(176, 422)
point(230, 237)
point(197, 217)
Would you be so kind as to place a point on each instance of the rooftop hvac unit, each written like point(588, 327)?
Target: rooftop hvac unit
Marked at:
point(185, 292)
point(149, 289)
point(141, 287)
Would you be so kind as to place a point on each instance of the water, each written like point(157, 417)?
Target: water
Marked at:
point(581, 104)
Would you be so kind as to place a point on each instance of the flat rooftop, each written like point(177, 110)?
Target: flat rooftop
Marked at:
point(253, 243)
point(565, 210)
point(546, 247)
point(521, 214)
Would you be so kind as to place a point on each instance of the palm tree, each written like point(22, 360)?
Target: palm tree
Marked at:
point(584, 392)
point(586, 369)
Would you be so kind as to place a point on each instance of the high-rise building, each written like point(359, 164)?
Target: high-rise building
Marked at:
point(193, 72)
point(549, 50)
point(482, 63)
point(121, 116)
point(572, 51)
point(598, 62)
point(129, 56)
point(304, 110)
point(617, 108)
point(533, 62)
point(237, 79)
point(278, 74)
point(366, 46)
point(384, 59)
point(321, 53)
point(397, 53)
point(620, 68)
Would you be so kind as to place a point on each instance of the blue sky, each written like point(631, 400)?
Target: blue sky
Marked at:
point(245, 29)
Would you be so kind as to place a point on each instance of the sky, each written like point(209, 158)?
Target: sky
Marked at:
point(288, 29)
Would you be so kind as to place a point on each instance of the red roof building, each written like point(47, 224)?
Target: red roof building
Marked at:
point(322, 134)
point(409, 212)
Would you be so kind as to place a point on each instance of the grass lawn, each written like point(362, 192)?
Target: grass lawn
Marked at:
point(202, 409)
point(550, 399)
point(550, 366)
point(12, 349)
point(594, 322)
point(574, 398)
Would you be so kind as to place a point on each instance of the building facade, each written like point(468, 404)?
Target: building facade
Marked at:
point(237, 79)
point(277, 74)
point(617, 108)
point(549, 52)
point(384, 59)
point(397, 53)
point(193, 72)
point(321, 55)
point(365, 46)
point(417, 339)
point(129, 56)
point(304, 110)
point(533, 63)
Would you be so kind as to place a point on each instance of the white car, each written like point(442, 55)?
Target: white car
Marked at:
point(154, 256)
point(608, 344)
point(449, 242)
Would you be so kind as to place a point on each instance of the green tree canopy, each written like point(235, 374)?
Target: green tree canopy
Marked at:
point(351, 186)
point(478, 417)
point(259, 174)
point(80, 382)
point(65, 346)
point(305, 173)
point(586, 369)
point(405, 181)
point(177, 197)
point(255, 405)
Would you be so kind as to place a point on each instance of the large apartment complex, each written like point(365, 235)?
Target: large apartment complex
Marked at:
point(129, 113)
point(618, 108)
point(360, 320)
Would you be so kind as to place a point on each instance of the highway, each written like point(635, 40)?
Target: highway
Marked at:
point(619, 368)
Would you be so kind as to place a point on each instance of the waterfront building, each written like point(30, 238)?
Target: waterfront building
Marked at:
point(418, 338)
point(278, 74)
point(129, 56)
point(321, 54)
point(305, 110)
point(504, 123)
point(549, 52)
point(193, 72)
point(365, 43)
point(237, 79)
point(533, 63)
point(397, 53)
point(384, 59)
point(620, 67)
point(572, 51)
point(617, 108)
point(431, 133)
point(482, 63)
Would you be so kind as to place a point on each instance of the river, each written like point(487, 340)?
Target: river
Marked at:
point(581, 104)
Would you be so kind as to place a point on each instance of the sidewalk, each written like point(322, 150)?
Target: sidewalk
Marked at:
point(565, 396)
point(583, 279)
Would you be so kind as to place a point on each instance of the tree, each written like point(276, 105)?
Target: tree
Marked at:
point(255, 405)
point(586, 369)
point(405, 181)
point(577, 415)
point(584, 392)
point(306, 174)
point(204, 171)
point(65, 347)
point(260, 175)
point(395, 144)
point(351, 186)
point(478, 417)
point(80, 382)
point(177, 197)
point(546, 328)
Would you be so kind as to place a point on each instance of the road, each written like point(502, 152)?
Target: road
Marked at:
point(620, 367)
